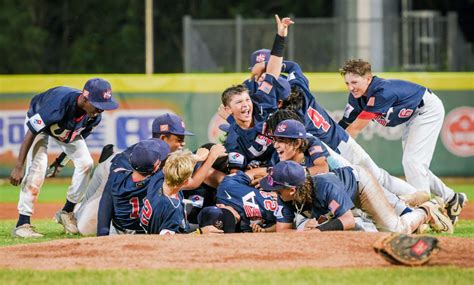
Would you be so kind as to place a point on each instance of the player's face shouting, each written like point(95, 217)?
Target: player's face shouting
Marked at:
point(357, 84)
point(241, 107)
point(285, 148)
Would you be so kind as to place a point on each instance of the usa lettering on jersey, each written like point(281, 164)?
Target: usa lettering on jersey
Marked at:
point(37, 122)
point(252, 211)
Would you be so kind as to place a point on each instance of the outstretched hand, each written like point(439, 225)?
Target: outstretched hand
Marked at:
point(282, 25)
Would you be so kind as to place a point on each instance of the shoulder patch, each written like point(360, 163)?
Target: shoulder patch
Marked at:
point(371, 101)
point(315, 149)
point(235, 157)
point(265, 87)
point(37, 122)
point(348, 110)
point(333, 206)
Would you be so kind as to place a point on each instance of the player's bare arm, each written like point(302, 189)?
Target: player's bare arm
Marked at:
point(320, 165)
point(17, 173)
point(284, 227)
point(217, 150)
point(357, 126)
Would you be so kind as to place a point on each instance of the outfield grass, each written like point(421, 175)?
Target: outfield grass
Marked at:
point(393, 275)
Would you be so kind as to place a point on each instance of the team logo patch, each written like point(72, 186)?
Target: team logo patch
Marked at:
point(265, 87)
point(457, 131)
point(315, 149)
point(281, 128)
point(333, 206)
point(405, 113)
point(85, 93)
point(419, 247)
point(166, 232)
point(260, 57)
point(164, 128)
point(371, 102)
point(182, 124)
point(37, 122)
point(107, 94)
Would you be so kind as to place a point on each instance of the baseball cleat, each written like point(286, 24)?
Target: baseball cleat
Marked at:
point(455, 206)
point(438, 221)
point(26, 231)
point(68, 220)
point(422, 229)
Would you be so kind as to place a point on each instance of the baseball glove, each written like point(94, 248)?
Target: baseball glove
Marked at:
point(407, 250)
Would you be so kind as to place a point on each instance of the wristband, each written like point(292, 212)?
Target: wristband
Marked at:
point(278, 46)
point(198, 231)
point(332, 225)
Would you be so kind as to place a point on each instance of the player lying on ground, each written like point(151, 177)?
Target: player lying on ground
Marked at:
point(330, 197)
point(68, 116)
point(391, 103)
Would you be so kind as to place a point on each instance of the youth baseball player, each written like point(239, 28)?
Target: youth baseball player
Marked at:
point(391, 103)
point(68, 116)
point(125, 190)
point(330, 197)
point(163, 211)
point(246, 142)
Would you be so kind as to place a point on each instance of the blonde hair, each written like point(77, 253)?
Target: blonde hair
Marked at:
point(356, 66)
point(179, 166)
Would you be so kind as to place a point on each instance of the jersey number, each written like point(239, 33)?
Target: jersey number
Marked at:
point(318, 120)
point(135, 207)
point(146, 212)
point(270, 205)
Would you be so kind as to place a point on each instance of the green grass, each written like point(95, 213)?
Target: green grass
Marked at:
point(52, 191)
point(394, 275)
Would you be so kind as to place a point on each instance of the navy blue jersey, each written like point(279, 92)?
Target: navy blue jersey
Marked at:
point(317, 121)
point(330, 200)
point(390, 102)
point(162, 214)
point(122, 200)
point(56, 113)
point(347, 177)
point(315, 150)
point(251, 204)
point(264, 96)
point(245, 146)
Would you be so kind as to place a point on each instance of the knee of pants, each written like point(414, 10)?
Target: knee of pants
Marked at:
point(411, 163)
point(84, 163)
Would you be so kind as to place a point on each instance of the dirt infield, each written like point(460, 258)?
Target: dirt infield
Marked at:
point(47, 210)
point(276, 251)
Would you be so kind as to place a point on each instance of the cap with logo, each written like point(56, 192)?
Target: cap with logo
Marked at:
point(290, 129)
point(99, 92)
point(221, 218)
point(146, 153)
point(170, 124)
point(285, 174)
point(258, 56)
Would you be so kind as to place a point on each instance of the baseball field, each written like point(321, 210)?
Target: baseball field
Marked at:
point(300, 258)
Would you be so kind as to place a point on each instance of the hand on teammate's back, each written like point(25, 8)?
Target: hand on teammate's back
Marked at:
point(201, 154)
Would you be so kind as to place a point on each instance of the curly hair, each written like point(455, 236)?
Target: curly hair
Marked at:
point(278, 116)
point(304, 193)
point(356, 66)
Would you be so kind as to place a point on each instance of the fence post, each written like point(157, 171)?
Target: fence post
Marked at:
point(452, 40)
point(238, 43)
point(187, 43)
point(291, 40)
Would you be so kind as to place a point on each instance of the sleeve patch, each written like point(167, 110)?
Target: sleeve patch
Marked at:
point(333, 206)
point(348, 110)
point(371, 101)
point(37, 122)
point(315, 149)
point(266, 87)
point(235, 157)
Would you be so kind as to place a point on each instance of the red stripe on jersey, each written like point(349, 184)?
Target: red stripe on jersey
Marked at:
point(364, 115)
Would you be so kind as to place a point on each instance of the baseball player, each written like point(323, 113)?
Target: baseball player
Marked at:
point(320, 124)
point(163, 211)
point(68, 116)
point(391, 103)
point(254, 208)
point(125, 190)
point(330, 197)
point(168, 127)
point(246, 142)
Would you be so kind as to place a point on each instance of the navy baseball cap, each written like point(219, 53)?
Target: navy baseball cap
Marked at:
point(99, 92)
point(146, 153)
point(260, 55)
point(170, 124)
point(290, 129)
point(221, 218)
point(285, 174)
point(284, 88)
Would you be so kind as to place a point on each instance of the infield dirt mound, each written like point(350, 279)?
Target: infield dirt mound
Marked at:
point(277, 251)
